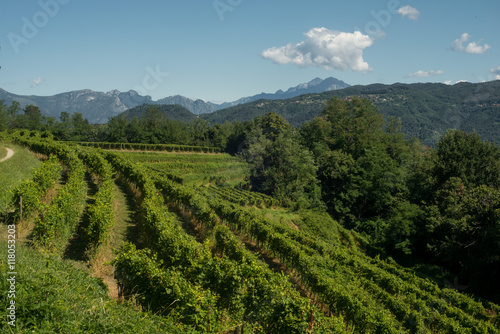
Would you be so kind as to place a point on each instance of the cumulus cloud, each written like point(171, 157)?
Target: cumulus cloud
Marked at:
point(449, 82)
point(36, 82)
point(409, 11)
point(472, 47)
point(326, 49)
point(496, 72)
point(422, 74)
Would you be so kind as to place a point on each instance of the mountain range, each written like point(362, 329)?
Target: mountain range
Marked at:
point(98, 107)
point(426, 110)
point(314, 86)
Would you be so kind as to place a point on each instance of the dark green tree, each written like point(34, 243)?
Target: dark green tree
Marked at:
point(464, 155)
point(116, 130)
point(32, 118)
point(280, 165)
point(363, 160)
point(81, 127)
point(3, 116)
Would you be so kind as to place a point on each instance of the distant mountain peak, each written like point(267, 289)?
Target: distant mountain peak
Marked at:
point(113, 92)
point(316, 85)
point(98, 107)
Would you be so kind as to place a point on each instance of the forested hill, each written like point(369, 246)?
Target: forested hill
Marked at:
point(426, 110)
point(162, 111)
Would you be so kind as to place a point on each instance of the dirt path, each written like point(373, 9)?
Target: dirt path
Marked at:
point(122, 232)
point(9, 155)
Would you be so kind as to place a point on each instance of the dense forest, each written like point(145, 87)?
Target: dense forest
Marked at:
point(428, 208)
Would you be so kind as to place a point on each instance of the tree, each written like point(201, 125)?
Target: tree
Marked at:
point(62, 129)
point(354, 124)
point(464, 155)
point(81, 127)
point(33, 119)
point(3, 116)
point(463, 226)
point(116, 130)
point(281, 166)
point(363, 161)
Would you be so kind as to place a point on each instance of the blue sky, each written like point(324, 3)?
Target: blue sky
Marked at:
point(222, 50)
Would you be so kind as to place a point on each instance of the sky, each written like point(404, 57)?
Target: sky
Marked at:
point(222, 50)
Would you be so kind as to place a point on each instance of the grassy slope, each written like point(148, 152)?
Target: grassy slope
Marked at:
point(15, 170)
point(52, 296)
point(60, 296)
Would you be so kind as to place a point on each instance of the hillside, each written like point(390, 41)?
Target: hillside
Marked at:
point(173, 112)
point(206, 255)
point(426, 110)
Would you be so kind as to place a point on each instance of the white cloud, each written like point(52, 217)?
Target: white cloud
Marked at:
point(422, 74)
point(36, 82)
point(409, 11)
point(326, 49)
point(472, 47)
point(449, 82)
point(496, 72)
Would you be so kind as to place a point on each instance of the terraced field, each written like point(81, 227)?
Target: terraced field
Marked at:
point(207, 255)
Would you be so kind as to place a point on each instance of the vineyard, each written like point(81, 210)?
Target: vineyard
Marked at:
point(208, 255)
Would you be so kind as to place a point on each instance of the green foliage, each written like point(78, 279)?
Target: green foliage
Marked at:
point(151, 147)
point(363, 162)
point(52, 296)
point(281, 167)
point(32, 191)
point(408, 200)
point(14, 171)
point(100, 212)
point(73, 128)
point(57, 221)
point(463, 226)
point(465, 156)
point(227, 273)
point(426, 110)
point(244, 290)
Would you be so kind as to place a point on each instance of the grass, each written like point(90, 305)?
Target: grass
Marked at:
point(3, 152)
point(15, 170)
point(123, 231)
point(195, 169)
point(313, 222)
point(52, 296)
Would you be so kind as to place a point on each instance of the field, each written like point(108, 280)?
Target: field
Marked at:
point(200, 252)
point(14, 170)
point(192, 168)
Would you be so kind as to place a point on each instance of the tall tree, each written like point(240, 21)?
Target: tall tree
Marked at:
point(359, 157)
point(33, 119)
point(281, 166)
point(464, 155)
